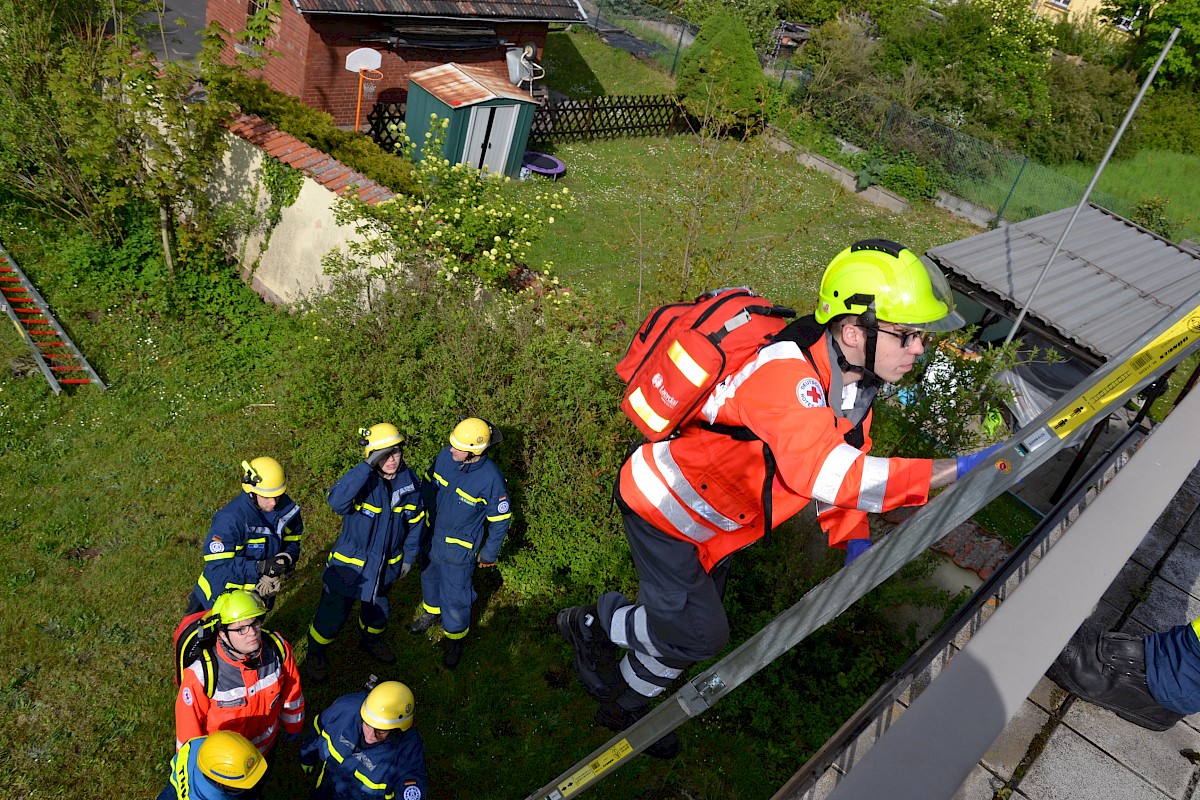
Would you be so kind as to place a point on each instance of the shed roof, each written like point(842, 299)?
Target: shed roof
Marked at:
point(1111, 281)
point(525, 10)
point(460, 85)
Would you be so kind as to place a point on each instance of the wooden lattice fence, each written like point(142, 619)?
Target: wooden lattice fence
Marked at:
point(608, 117)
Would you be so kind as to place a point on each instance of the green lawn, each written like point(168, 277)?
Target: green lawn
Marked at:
point(578, 64)
point(1173, 176)
point(633, 198)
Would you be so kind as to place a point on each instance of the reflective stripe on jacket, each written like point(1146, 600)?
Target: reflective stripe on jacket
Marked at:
point(252, 701)
point(470, 500)
point(240, 536)
point(346, 768)
point(381, 529)
point(707, 487)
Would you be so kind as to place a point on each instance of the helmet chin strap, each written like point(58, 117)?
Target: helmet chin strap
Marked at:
point(869, 378)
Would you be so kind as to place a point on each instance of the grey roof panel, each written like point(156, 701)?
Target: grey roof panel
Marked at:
point(1110, 281)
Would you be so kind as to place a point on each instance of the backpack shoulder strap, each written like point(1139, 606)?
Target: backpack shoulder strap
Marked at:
point(208, 664)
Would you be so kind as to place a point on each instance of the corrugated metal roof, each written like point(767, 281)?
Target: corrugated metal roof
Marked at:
point(459, 85)
point(1110, 282)
point(528, 10)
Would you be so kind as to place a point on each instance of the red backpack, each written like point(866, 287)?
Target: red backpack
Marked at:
point(683, 350)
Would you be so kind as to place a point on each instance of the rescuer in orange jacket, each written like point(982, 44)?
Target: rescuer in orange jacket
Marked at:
point(789, 427)
point(247, 683)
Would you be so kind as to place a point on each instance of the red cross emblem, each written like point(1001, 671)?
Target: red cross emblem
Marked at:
point(809, 393)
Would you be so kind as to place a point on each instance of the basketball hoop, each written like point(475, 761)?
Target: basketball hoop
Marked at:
point(368, 78)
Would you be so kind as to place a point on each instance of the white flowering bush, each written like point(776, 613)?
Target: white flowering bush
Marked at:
point(462, 215)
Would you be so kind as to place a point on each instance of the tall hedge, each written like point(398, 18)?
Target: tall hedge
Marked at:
point(720, 80)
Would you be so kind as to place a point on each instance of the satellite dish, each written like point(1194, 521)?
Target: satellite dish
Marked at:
point(363, 58)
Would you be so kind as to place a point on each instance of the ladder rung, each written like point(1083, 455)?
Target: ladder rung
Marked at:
point(56, 355)
point(27, 311)
point(76, 380)
point(52, 344)
point(66, 368)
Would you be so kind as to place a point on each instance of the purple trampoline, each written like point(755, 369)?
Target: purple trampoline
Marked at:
point(542, 164)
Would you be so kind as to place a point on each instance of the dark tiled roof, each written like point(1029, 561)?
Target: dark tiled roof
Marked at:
point(324, 169)
point(535, 10)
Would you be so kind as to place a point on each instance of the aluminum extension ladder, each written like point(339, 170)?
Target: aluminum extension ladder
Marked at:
point(56, 355)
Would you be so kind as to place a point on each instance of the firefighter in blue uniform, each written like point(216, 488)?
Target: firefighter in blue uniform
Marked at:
point(220, 766)
point(469, 500)
point(254, 541)
point(383, 519)
point(365, 745)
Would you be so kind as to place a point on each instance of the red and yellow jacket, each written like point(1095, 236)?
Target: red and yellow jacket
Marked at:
point(219, 693)
point(708, 487)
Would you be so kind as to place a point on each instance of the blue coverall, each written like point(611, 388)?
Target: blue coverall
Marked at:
point(241, 535)
point(349, 768)
point(468, 498)
point(1173, 667)
point(382, 525)
point(188, 782)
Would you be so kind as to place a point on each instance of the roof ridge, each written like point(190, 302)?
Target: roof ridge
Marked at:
point(310, 161)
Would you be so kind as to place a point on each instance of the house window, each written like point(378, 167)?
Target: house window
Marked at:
point(1060, 3)
point(1126, 23)
point(258, 27)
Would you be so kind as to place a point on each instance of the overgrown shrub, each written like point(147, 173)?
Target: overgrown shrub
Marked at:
point(1151, 214)
point(1169, 119)
point(1087, 103)
point(457, 214)
point(317, 129)
point(896, 172)
point(720, 80)
point(430, 352)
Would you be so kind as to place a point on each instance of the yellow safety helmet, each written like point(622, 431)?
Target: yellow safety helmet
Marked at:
point(231, 760)
point(377, 437)
point(881, 280)
point(263, 476)
point(389, 706)
point(472, 435)
point(237, 605)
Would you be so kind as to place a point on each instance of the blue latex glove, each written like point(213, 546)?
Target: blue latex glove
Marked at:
point(856, 547)
point(969, 462)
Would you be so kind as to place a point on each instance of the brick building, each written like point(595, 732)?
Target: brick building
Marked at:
point(313, 37)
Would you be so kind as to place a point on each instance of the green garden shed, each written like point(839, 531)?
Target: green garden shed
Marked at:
point(490, 118)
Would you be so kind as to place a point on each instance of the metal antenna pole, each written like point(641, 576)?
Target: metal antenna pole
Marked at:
point(1086, 192)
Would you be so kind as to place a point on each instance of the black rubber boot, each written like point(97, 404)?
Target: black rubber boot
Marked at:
point(377, 648)
point(595, 655)
point(316, 665)
point(612, 716)
point(1109, 670)
point(453, 653)
point(424, 622)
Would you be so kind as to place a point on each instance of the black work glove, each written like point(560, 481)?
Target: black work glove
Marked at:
point(275, 567)
point(405, 568)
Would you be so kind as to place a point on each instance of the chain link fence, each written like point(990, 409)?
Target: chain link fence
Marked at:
point(642, 29)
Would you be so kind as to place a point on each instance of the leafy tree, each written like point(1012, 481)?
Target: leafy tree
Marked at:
point(1151, 28)
point(720, 80)
point(93, 128)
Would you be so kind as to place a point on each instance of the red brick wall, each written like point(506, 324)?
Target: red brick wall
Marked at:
point(312, 50)
point(285, 70)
